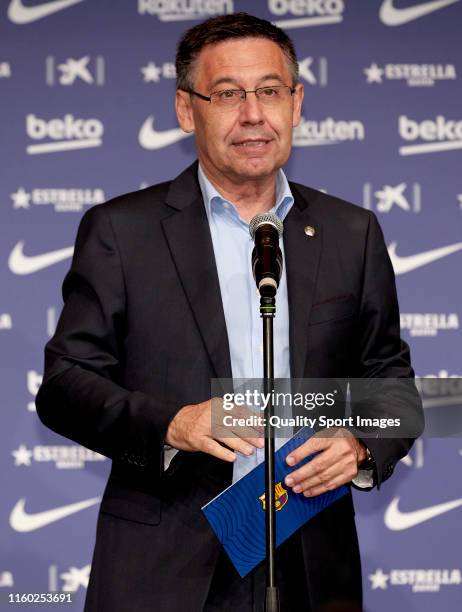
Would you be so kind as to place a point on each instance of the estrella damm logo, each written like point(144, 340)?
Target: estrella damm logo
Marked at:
point(281, 496)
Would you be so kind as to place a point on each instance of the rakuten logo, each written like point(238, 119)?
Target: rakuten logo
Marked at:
point(184, 10)
point(63, 134)
point(307, 12)
point(439, 135)
point(328, 131)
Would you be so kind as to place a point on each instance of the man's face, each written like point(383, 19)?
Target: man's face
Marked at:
point(250, 141)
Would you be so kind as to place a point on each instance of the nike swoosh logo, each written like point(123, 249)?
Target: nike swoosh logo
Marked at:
point(20, 14)
point(25, 264)
point(392, 16)
point(402, 265)
point(149, 138)
point(396, 520)
point(22, 521)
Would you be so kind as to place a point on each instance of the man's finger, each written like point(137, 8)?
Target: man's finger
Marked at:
point(239, 420)
point(328, 486)
point(316, 466)
point(317, 479)
point(306, 449)
point(210, 446)
point(256, 441)
point(237, 444)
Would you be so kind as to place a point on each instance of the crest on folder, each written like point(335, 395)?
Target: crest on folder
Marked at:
point(281, 497)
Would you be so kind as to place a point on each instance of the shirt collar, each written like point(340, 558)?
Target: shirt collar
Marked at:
point(215, 202)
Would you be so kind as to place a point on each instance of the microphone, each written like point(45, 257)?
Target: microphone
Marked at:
point(265, 229)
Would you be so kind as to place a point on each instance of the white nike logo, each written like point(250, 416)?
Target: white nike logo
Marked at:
point(149, 138)
point(22, 521)
point(397, 520)
point(392, 16)
point(20, 14)
point(25, 264)
point(402, 265)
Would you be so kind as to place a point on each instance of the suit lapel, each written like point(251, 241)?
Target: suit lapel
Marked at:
point(188, 235)
point(302, 254)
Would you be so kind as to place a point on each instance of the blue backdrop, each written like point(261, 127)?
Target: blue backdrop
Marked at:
point(87, 92)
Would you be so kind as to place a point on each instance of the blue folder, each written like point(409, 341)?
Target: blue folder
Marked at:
point(237, 515)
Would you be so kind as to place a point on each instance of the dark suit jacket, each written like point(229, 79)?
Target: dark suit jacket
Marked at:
point(142, 333)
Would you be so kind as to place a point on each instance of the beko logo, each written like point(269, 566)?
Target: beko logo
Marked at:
point(326, 131)
point(184, 10)
point(307, 12)
point(440, 134)
point(63, 134)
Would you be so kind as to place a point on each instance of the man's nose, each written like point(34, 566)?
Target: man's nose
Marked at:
point(250, 110)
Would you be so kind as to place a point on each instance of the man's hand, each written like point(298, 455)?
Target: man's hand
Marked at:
point(191, 430)
point(339, 454)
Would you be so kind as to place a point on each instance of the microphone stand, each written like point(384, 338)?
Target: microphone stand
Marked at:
point(267, 312)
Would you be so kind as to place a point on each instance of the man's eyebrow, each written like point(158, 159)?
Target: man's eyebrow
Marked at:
point(232, 80)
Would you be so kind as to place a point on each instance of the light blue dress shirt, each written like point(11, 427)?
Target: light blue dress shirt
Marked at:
point(232, 245)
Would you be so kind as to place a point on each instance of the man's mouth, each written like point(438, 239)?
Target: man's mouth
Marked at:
point(249, 142)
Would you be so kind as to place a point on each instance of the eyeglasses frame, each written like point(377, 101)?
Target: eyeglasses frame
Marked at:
point(245, 91)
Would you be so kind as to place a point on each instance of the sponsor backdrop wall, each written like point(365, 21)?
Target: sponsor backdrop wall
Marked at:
point(87, 92)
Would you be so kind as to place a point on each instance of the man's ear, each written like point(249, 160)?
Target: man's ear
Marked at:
point(184, 111)
point(298, 101)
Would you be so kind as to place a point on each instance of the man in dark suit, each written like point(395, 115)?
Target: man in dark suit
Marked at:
point(147, 323)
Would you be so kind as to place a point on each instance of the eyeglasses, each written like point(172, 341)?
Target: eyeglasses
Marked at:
point(232, 98)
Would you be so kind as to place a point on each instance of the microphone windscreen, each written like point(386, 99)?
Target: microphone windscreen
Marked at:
point(265, 218)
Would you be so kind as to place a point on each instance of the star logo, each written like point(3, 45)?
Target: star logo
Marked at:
point(391, 195)
point(373, 73)
point(22, 456)
point(379, 580)
point(75, 578)
point(75, 69)
point(151, 73)
point(20, 198)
